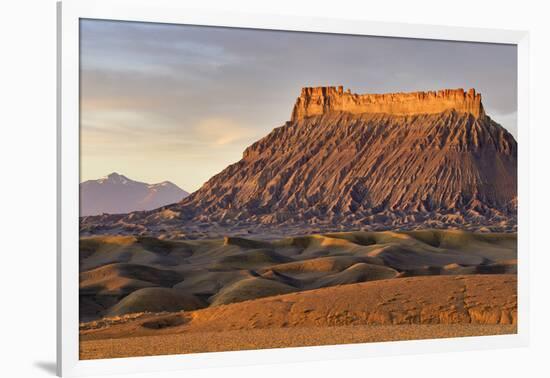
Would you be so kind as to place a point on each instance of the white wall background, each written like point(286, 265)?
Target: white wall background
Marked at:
point(27, 187)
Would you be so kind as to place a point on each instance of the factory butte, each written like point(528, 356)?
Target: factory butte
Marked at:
point(346, 161)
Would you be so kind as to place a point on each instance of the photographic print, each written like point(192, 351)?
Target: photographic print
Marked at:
point(250, 189)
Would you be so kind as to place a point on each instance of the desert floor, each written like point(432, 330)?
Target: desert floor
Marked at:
point(144, 296)
point(278, 338)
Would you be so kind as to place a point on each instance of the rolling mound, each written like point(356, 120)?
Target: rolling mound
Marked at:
point(253, 258)
point(122, 278)
point(245, 243)
point(406, 258)
point(503, 267)
point(156, 299)
point(318, 265)
point(226, 270)
point(102, 250)
point(250, 288)
point(479, 299)
point(208, 283)
point(487, 245)
point(359, 272)
point(271, 274)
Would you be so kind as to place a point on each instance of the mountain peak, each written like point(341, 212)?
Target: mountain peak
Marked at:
point(117, 194)
point(319, 100)
point(167, 184)
point(114, 178)
point(114, 175)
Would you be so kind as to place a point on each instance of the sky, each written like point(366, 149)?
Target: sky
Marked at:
point(180, 103)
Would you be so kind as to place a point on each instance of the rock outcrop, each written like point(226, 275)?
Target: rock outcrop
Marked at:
point(345, 161)
point(320, 100)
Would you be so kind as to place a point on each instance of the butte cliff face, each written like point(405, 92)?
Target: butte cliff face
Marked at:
point(348, 161)
point(321, 100)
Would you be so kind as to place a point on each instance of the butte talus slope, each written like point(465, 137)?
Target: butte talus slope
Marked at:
point(348, 161)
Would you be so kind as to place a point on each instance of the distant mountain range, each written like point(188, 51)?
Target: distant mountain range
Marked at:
point(117, 194)
point(348, 161)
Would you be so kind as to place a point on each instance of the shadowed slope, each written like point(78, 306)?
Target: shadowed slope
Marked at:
point(156, 299)
point(207, 283)
point(359, 272)
point(124, 278)
point(99, 251)
point(250, 288)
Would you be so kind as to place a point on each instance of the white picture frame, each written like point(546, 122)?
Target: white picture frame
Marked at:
point(171, 11)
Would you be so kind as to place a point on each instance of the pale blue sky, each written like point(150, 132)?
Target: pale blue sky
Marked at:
point(174, 102)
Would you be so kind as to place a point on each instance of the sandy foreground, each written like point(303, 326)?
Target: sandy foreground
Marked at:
point(385, 310)
point(278, 338)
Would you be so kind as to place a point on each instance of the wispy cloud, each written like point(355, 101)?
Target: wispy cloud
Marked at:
point(220, 131)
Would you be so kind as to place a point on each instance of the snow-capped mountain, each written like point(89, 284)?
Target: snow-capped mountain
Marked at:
point(117, 194)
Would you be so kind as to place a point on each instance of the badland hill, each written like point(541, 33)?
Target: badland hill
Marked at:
point(352, 161)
